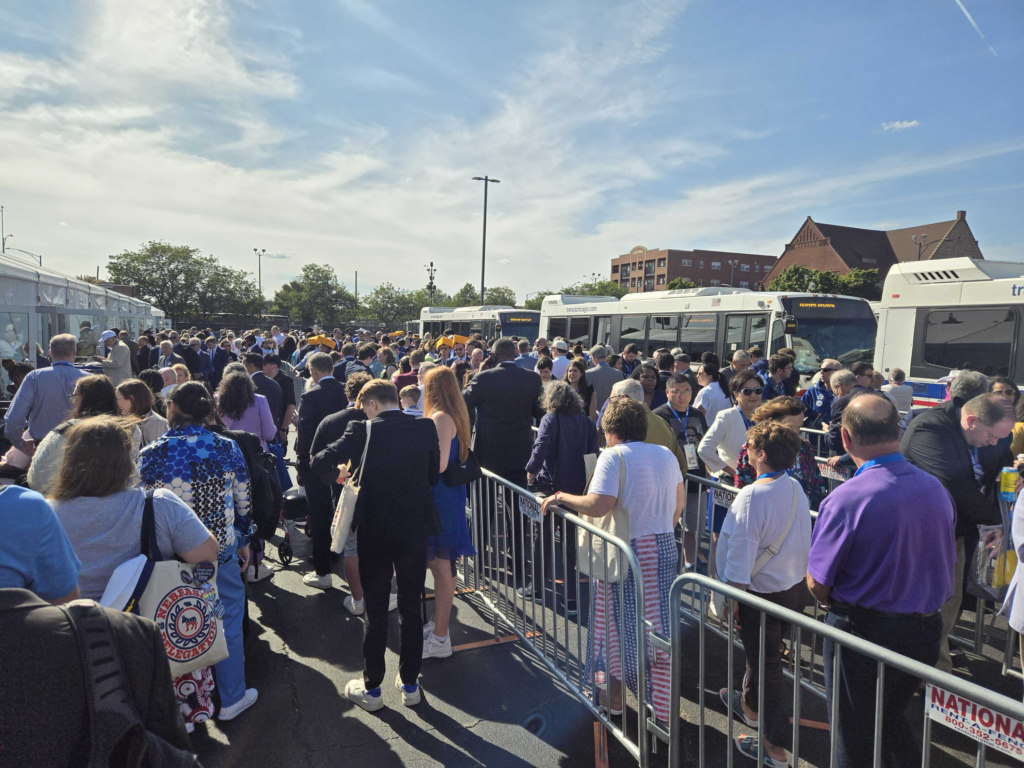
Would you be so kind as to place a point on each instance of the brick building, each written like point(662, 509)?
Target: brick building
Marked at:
point(652, 270)
point(840, 249)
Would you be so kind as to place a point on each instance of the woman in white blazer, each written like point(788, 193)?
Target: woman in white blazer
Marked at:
point(720, 446)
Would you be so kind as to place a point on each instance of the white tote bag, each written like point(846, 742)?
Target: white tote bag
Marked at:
point(346, 509)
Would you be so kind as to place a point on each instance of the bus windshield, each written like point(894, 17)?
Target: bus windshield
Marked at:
point(831, 328)
point(525, 325)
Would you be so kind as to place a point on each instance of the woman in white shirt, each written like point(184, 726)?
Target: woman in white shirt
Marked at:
point(770, 513)
point(135, 398)
point(712, 397)
point(646, 479)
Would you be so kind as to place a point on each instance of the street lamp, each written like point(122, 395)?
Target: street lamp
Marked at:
point(430, 285)
point(732, 272)
point(259, 269)
point(487, 180)
point(5, 239)
point(922, 243)
point(28, 253)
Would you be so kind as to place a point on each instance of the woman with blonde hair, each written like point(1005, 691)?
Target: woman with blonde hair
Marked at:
point(444, 405)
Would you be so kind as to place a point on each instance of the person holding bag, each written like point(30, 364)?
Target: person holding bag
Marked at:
point(443, 404)
point(648, 476)
point(763, 549)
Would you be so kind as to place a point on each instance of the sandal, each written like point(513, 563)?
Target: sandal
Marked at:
point(747, 745)
point(737, 706)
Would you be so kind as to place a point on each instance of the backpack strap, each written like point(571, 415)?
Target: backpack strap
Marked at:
point(148, 544)
point(112, 713)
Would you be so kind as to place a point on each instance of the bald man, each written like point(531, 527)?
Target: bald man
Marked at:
point(818, 397)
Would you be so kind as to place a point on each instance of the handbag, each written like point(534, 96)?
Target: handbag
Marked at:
point(593, 558)
point(346, 509)
point(182, 599)
point(462, 474)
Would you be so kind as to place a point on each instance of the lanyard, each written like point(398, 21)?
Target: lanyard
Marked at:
point(878, 461)
point(772, 475)
point(685, 420)
point(746, 422)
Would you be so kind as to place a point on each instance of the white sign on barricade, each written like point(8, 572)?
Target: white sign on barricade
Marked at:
point(993, 729)
point(838, 473)
point(722, 498)
point(530, 508)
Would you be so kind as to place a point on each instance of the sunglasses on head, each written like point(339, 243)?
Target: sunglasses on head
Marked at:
point(755, 391)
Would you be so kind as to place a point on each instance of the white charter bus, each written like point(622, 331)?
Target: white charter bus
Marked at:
point(938, 316)
point(719, 320)
point(490, 321)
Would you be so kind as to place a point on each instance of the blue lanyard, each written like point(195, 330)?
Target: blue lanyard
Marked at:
point(771, 475)
point(746, 422)
point(887, 458)
point(685, 421)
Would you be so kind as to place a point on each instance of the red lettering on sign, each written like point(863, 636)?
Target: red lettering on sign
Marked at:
point(1003, 724)
point(938, 696)
point(985, 715)
point(1018, 730)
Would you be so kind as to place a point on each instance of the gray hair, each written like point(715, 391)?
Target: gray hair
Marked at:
point(740, 354)
point(630, 388)
point(968, 385)
point(990, 408)
point(64, 345)
point(598, 352)
point(897, 376)
point(559, 397)
point(320, 362)
point(842, 378)
point(237, 367)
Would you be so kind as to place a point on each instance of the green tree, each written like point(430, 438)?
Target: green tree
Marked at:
point(466, 296)
point(537, 299)
point(316, 296)
point(796, 279)
point(861, 282)
point(679, 283)
point(288, 299)
point(163, 274)
point(389, 304)
point(500, 294)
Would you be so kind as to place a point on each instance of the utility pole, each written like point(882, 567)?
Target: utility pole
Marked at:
point(732, 272)
point(430, 285)
point(259, 270)
point(357, 286)
point(3, 238)
point(487, 180)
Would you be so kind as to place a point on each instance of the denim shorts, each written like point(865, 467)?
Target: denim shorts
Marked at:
point(350, 544)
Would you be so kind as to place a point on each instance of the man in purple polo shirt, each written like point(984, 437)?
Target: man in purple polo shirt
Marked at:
point(882, 558)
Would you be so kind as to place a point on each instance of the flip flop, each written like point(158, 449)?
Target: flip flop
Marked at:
point(737, 706)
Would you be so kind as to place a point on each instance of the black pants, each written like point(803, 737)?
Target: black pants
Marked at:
point(321, 514)
point(911, 635)
point(407, 559)
point(777, 692)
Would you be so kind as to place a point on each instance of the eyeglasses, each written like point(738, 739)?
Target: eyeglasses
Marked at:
point(830, 370)
point(755, 391)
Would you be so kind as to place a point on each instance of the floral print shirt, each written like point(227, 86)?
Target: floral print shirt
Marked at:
point(208, 473)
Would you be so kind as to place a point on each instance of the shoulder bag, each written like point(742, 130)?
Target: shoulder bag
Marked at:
point(771, 551)
point(182, 599)
point(462, 474)
point(346, 509)
point(594, 558)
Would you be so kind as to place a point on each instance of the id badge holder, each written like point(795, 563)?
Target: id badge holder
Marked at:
point(691, 456)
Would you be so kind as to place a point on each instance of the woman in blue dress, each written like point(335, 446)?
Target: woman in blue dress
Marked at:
point(443, 404)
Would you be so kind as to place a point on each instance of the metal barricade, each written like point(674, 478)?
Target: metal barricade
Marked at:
point(517, 545)
point(816, 437)
point(988, 717)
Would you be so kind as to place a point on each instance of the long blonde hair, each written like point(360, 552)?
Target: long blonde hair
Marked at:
point(441, 393)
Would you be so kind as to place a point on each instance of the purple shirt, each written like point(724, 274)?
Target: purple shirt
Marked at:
point(256, 419)
point(884, 540)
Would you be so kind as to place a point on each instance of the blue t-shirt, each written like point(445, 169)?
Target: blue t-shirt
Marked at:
point(35, 553)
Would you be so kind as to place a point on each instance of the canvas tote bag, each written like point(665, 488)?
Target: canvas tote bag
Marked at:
point(593, 557)
point(346, 509)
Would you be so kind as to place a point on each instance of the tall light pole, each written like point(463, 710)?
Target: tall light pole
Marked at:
point(259, 271)
point(487, 180)
point(28, 253)
point(3, 238)
point(430, 285)
point(732, 272)
point(923, 242)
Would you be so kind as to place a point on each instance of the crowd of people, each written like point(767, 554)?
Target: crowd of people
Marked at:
point(170, 432)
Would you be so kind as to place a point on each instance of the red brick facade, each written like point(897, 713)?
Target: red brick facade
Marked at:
point(643, 270)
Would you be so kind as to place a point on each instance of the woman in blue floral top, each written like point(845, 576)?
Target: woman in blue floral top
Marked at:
point(788, 411)
point(208, 473)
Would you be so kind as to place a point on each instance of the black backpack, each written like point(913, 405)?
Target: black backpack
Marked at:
point(117, 735)
point(265, 496)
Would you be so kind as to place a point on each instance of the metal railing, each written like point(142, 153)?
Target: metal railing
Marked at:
point(843, 643)
point(517, 546)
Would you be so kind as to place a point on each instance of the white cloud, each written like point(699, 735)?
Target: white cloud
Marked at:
point(900, 125)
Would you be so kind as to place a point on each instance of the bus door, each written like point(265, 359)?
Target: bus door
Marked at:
point(601, 332)
point(634, 331)
point(579, 331)
point(663, 332)
point(697, 335)
point(744, 332)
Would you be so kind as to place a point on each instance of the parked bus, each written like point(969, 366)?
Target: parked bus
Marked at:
point(489, 321)
point(720, 320)
point(940, 316)
point(38, 303)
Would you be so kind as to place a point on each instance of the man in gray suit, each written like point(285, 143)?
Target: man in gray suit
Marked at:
point(602, 376)
point(118, 366)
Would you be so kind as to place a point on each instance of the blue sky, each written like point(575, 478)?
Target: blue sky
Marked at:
point(346, 131)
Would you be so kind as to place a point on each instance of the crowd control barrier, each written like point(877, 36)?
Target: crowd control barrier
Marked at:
point(992, 720)
point(517, 545)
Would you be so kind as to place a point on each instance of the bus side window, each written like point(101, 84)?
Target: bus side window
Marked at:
point(778, 337)
point(663, 333)
point(634, 330)
point(602, 330)
point(980, 339)
point(579, 330)
point(758, 331)
point(557, 326)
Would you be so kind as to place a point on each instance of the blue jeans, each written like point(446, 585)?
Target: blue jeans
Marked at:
point(231, 590)
point(911, 635)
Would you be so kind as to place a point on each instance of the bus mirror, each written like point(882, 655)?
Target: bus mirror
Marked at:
point(791, 325)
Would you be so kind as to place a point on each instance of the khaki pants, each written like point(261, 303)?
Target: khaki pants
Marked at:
point(951, 609)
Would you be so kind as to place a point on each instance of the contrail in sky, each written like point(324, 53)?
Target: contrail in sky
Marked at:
point(975, 25)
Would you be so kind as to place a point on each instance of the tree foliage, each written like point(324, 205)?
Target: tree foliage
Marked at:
point(679, 283)
point(316, 296)
point(598, 288)
point(500, 294)
point(184, 283)
point(857, 282)
point(389, 304)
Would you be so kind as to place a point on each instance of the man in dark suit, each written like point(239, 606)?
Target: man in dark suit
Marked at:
point(167, 357)
point(348, 355)
point(265, 385)
point(362, 362)
point(505, 400)
point(326, 396)
point(394, 521)
point(148, 354)
point(964, 445)
point(190, 354)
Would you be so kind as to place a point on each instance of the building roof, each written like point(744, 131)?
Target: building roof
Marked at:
point(906, 249)
point(886, 247)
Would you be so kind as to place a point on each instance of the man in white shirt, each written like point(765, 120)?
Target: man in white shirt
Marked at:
point(560, 360)
point(276, 334)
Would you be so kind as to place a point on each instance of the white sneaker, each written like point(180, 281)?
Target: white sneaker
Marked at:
point(435, 648)
point(353, 607)
point(393, 601)
point(320, 582)
point(189, 727)
point(230, 713)
point(258, 571)
point(428, 628)
point(356, 692)
point(409, 699)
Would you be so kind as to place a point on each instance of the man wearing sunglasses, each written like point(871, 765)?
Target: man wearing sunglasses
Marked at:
point(819, 396)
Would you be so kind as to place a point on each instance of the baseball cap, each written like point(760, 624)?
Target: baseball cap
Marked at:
point(561, 345)
point(107, 335)
point(946, 379)
point(681, 358)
